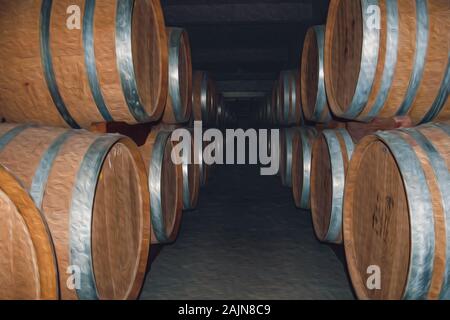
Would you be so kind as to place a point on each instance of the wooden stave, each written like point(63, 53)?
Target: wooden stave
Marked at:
point(336, 140)
point(321, 112)
point(81, 207)
point(275, 104)
point(286, 145)
point(219, 119)
point(179, 44)
point(191, 176)
point(212, 114)
point(385, 84)
point(48, 287)
point(153, 152)
point(400, 145)
point(301, 174)
point(106, 95)
point(201, 97)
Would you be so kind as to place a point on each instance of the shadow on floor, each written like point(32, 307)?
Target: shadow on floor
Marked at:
point(246, 241)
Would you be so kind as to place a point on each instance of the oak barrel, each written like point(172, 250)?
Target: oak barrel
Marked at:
point(289, 100)
point(313, 94)
point(201, 97)
point(93, 192)
point(28, 268)
point(212, 86)
point(275, 103)
point(165, 181)
point(331, 154)
point(286, 144)
point(388, 58)
point(301, 165)
point(191, 168)
point(113, 66)
point(179, 103)
point(397, 213)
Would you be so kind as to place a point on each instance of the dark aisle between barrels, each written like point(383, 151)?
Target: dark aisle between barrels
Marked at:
point(247, 240)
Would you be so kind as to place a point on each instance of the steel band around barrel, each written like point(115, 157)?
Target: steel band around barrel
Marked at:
point(369, 60)
point(321, 99)
point(338, 176)
point(42, 173)
point(125, 64)
point(443, 180)
point(81, 210)
point(154, 183)
point(422, 30)
point(349, 144)
point(186, 190)
point(286, 98)
point(89, 58)
point(306, 136)
point(442, 96)
point(421, 215)
point(204, 97)
point(174, 74)
point(47, 64)
point(390, 59)
point(289, 141)
point(443, 126)
point(12, 134)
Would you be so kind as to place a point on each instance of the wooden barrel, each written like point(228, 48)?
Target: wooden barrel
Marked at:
point(201, 97)
point(214, 94)
point(331, 153)
point(179, 103)
point(314, 97)
point(399, 67)
point(286, 144)
point(397, 213)
point(165, 180)
point(268, 120)
point(301, 166)
point(275, 103)
point(112, 67)
point(28, 268)
point(219, 123)
point(191, 178)
point(289, 108)
point(92, 190)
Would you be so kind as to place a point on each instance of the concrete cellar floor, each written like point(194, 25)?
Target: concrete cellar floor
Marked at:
point(246, 240)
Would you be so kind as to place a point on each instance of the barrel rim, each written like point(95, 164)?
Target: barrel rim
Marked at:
point(40, 235)
point(155, 176)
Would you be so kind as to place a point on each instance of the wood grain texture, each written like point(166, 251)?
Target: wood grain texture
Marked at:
point(378, 218)
point(184, 83)
point(24, 94)
point(124, 171)
point(28, 268)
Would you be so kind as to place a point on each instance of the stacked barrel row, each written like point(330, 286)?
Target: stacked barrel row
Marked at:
point(82, 208)
point(383, 194)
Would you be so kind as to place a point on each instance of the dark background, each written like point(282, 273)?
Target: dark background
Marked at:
point(245, 43)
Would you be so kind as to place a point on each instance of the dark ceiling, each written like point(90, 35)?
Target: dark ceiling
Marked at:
point(245, 43)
